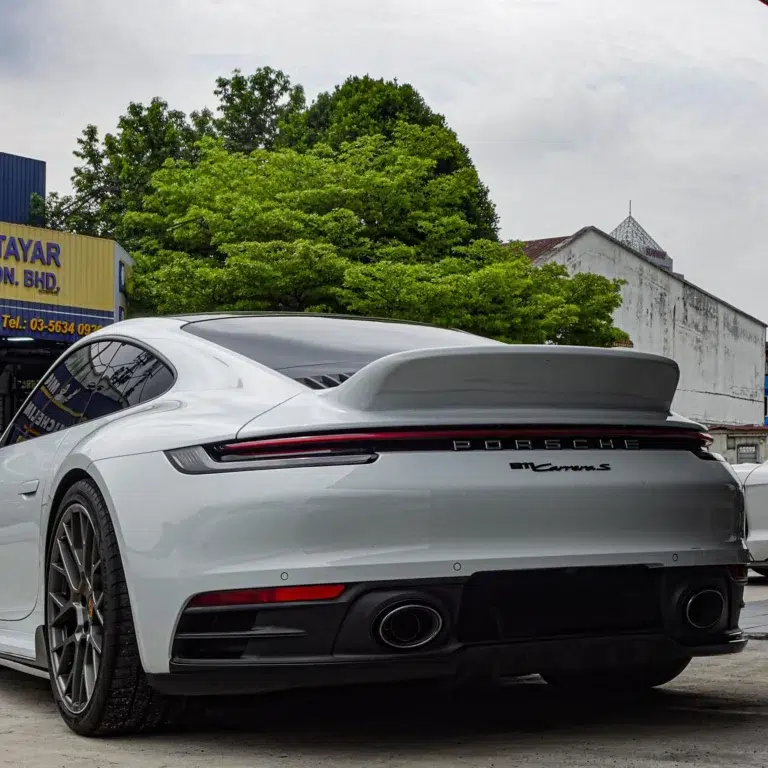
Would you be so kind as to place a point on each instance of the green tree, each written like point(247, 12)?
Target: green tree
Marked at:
point(52, 211)
point(364, 106)
point(258, 111)
point(113, 174)
point(361, 106)
point(251, 108)
point(369, 229)
point(492, 290)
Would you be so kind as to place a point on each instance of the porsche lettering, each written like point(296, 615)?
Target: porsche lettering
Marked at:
point(549, 444)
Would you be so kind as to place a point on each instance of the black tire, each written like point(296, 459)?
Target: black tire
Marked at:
point(121, 701)
point(761, 571)
point(618, 680)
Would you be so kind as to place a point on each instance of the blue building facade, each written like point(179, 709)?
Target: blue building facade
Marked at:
point(766, 402)
point(20, 178)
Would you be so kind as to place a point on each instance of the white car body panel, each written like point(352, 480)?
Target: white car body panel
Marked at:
point(755, 479)
point(410, 515)
point(24, 467)
point(325, 525)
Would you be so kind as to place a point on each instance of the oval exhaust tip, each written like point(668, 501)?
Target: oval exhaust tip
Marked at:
point(409, 626)
point(704, 609)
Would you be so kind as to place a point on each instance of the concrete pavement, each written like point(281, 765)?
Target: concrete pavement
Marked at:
point(754, 616)
point(754, 620)
point(715, 715)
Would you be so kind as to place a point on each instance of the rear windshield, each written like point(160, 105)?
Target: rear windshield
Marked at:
point(305, 346)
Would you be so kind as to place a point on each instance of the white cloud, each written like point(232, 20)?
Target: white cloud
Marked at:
point(569, 108)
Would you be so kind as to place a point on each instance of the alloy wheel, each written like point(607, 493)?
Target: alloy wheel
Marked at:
point(75, 610)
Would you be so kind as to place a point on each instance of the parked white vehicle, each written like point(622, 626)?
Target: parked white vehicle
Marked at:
point(244, 503)
point(755, 480)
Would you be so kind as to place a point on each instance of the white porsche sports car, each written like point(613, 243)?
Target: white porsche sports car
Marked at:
point(242, 503)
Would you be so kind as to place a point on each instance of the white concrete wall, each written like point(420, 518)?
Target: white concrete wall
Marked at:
point(721, 352)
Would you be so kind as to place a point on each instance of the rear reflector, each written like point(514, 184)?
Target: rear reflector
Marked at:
point(739, 573)
point(267, 595)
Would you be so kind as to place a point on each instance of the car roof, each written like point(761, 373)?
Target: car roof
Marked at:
point(299, 344)
point(205, 316)
point(145, 327)
point(298, 326)
point(300, 340)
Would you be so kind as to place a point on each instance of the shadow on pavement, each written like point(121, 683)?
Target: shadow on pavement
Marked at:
point(411, 719)
point(415, 718)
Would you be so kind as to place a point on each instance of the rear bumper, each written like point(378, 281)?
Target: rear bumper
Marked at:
point(416, 516)
point(494, 624)
point(460, 664)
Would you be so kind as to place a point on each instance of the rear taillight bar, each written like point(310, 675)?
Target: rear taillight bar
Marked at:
point(199, 460)
point(307, 443)
point(363, 447)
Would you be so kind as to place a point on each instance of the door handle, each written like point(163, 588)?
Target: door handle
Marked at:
point(29, 488)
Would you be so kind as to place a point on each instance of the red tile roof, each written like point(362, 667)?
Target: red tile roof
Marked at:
point(534, 249)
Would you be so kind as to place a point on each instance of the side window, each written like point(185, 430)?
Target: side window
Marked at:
point(104, 400)
point(132, 377)
point(61, 398)
point(159, 381)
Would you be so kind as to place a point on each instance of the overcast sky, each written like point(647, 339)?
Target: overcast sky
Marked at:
point(569, 107)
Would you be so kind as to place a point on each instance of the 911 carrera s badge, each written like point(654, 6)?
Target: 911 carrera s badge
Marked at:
point(560, 467)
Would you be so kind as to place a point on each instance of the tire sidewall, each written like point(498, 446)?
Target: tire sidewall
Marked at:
point(85, 493)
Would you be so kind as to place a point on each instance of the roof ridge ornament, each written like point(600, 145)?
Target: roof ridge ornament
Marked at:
point(632, 234)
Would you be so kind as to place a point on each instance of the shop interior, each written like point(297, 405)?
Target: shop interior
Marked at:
point(22, 364)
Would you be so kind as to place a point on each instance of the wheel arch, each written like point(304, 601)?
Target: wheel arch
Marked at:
point(75, 470)
point(70, 477)
point(73, 476)
point(74, 473)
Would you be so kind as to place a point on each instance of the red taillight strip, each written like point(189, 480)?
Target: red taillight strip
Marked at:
point(308, 441)
point(266, 596)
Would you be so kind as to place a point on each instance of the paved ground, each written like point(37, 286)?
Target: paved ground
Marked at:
point(754, 617)
point(757, 590)
point(715, 714)
point(754, 620)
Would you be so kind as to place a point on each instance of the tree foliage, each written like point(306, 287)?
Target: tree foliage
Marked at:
point(252, 108)
point(258, 111)
point(364, 106)
point(114, 173)
point(364, 202)
point(502, 295)
point(372, 229)
point(361, 106)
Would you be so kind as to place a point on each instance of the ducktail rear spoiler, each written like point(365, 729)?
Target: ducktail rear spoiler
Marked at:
point(514, 376)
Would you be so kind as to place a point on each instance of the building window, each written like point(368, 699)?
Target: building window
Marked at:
point(747, 454)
